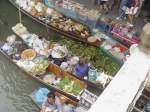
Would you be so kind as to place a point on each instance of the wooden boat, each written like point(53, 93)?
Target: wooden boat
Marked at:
point(62, 97)
point(113, 48)
point(40, 76)
point(125, 39)
point(81, 13)
point(58, 30)
point(55, 68)
point(119, 31)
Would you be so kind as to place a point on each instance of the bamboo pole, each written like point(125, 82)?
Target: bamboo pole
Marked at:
point(20, 17)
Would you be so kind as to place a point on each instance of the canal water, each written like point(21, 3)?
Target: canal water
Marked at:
point(15, 86)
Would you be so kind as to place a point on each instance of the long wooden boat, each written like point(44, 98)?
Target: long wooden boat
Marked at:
point(126, 39)
point(53, 67)
point(40, 77)
point(79, 11)
point(58, 30)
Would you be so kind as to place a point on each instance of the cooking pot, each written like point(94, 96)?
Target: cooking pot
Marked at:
point(59, 52)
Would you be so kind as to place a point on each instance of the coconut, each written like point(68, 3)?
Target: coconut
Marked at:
point(49, 11)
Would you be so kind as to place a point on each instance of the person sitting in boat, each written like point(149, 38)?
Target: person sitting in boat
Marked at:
point(82, 68)
point(52, 103)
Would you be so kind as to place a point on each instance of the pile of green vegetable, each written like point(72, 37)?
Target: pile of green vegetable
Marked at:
point(93, 54)
point(70, 86)
point(40, 67)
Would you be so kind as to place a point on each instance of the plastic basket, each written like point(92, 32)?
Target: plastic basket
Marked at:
point(82, 16)
point(60, 9)
point(70, 13)
point(104, 27)
point(50, 4)
point(91, 22)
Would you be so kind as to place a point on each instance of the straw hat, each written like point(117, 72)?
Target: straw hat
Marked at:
point(145, 39)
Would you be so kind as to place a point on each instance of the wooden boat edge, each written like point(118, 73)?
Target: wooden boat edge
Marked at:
point(39, 80)
point(72, 36)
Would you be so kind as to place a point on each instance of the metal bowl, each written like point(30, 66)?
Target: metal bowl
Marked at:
point(59, 52)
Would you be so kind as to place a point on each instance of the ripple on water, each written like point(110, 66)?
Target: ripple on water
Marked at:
point(15, 87)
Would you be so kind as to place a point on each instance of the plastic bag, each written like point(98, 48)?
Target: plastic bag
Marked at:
point(41, 94)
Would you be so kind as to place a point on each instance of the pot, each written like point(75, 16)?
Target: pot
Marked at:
point(59, 52)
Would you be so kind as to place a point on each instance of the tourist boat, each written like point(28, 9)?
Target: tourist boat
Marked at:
point(22, 32)
point(77, 31)
point(35, 66)
point(38, 96)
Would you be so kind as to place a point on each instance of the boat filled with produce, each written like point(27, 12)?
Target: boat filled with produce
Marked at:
point(72, 91)
point(123, 32)
point(62, 60)
point(36, 65)
point(56, 21)
point(75, 10)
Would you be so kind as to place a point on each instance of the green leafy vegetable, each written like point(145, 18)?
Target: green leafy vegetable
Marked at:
point(94, 55)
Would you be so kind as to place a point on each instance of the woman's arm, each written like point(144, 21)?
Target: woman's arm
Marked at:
point(43, 109)
point(137, 3)
point(58, 104)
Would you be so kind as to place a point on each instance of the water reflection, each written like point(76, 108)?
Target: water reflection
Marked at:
point(15, 88)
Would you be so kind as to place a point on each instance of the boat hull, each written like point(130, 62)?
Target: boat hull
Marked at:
point(67, 34)
point(36, 77)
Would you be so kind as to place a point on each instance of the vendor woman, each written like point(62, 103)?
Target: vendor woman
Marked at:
point(52, 103)
point(82, 68)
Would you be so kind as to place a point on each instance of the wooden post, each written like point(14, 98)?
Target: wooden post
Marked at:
point(20, 17)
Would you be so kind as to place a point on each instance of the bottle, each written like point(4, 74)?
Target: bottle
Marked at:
point(92, 74)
